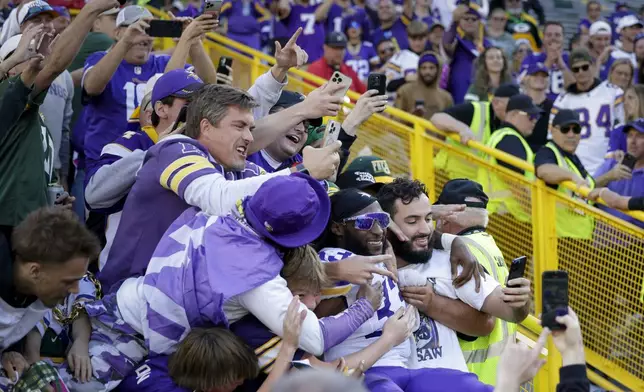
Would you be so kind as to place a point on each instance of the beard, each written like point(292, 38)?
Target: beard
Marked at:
point(405, 250)
point(428, 81)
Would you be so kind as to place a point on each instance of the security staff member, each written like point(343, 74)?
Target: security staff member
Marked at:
point(557, 162)
point(471, 120)
point(482, 353)
point(521, 116)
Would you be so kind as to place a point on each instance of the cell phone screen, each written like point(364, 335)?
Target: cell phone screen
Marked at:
point(554, 297)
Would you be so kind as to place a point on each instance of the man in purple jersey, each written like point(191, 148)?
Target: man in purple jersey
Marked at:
point(114, 81)
point(304, 15)
point(392, 26)
point(555, 59)
point(243, 20)
point(360, 53)
point(204, 167)
point(335, 13)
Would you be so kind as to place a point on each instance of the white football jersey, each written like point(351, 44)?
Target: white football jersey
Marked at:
point(600, 110)
point(403, 63)
point(437, 346)
point(371, 330)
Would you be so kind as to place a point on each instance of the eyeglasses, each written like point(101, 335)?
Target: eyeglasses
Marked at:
point(584, 67)
point(365, 222)
point(574, 128)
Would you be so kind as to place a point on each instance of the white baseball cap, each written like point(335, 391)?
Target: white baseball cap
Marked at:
point(34, 8)
point(600, 28)
point(628, 21)
point(131, 14)
point(149, 86)
point(9, 47)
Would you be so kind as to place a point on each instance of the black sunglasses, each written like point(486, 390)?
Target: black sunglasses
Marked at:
point(584, 67)
point(576, 129)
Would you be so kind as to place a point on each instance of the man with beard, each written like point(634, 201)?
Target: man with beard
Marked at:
point(358, 225)
point(423, 97)
point(424, 273)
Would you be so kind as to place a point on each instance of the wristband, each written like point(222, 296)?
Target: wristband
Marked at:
point(446, 241)
point(301, 169)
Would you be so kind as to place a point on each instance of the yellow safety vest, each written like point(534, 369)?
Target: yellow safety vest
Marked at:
point(482, 355)
point(571, 222)
point(455, 166)
point(502, 199)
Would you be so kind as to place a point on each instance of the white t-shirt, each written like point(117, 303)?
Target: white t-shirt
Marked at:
point(437, 346)
point(15, 323)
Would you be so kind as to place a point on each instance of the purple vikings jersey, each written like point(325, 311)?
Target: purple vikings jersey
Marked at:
point(156, 200)
point(107, 114)
point(260, 160)
point(245, 18)
point(312, 37)
point(360, 61)
point(556, 75)
point(462, 66)
point(152, 376)
point(397, 32)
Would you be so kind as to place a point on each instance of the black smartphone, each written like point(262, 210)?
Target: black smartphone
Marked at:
point(629, 161)
point(224, 64)
point(165, 28)
point(517, 269)
point(554, 285)
point(420, 103)
point(377, 81)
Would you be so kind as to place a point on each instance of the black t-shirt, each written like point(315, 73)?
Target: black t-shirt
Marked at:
point(547, 156)
point(464, 113)
point(539, 135)
point(512, 145)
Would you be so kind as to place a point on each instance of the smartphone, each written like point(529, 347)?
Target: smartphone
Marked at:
point(629, 161)
point(339, 79)
point(554, 298)
point(213, 7)
point(420, 103)
point(377, 81)
point(165, 28)
point(517, 269)
point(224, 67)
point(332, 132)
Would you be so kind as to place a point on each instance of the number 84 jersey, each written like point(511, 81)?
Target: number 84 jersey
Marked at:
point(600, 110)
point(371, 330)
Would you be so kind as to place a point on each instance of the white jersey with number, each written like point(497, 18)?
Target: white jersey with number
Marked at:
point(437, 346)
point(371, 330)
point(600, 110)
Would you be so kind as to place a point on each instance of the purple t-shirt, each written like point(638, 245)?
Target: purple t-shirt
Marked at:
point(155, 201)
point(258, 159)
point(633, 187)
point(397, 32)
point(313, 32)
point(360, 61)
point(244, 20)
point(152, 376)
point(462, 68)
point(617, 139)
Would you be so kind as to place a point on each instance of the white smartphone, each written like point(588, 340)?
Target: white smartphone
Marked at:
point(213, 7)
point(339, 79)
point(332, 132)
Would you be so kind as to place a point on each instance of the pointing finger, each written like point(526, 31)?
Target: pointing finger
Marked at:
point(294, 38)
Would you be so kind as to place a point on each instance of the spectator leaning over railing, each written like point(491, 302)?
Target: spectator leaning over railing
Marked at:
point(522, 115)
point(472, 121)
point(622, 179)
point(25, 145)
point(423, 97)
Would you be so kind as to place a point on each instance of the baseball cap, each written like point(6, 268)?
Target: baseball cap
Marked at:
point(336, 40)
point(290, 98)
point(566, 117)
point(534, 68)
point(347, 202)
point(62, 11)
point(34, 8)
point(290, 224)
point(9, 47)
point(628, 21)
point(358, 180)
point(459, 190)
point(524, 103)
point(112, 11)
point(378, 167)
point(176, 83)
point(638, 125)
point(600, 27)
point(131, 14)
point(507, 90)
point(580, 54)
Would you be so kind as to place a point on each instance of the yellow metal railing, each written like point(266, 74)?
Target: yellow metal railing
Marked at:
point(606, 271)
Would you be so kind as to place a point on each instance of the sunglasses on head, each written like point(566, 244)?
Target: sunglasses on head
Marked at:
point(584, 67)
point(365, 222)
point(574, 128)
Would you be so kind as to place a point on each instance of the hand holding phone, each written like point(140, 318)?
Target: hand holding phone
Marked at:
point(517, 269)
point(213, 7)
point(554, 298)
point(377, 81)
point(331, 133)
point(629, 161)
point(165, 28)
point(340, 84)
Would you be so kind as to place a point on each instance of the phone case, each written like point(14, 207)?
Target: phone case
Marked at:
point(213, 7)
point(332, 132)
point(340, 79)
point(377, 81)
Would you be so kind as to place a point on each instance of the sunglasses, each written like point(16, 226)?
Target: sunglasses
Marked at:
point(533, 116)
point(575, 129)
point(365, 222)
point(584, 67)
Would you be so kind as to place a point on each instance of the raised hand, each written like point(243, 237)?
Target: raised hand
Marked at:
point(135, 33)
point(196, 29)
point(321, 162)
point(519, 363)
point(293, 323)
point(373, 294)
point(27, 46)
point(360, 269)
point(322, 103)
point(291, 55)
point(460, 255)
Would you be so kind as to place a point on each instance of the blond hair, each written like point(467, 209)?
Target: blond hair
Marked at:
point(303, 268)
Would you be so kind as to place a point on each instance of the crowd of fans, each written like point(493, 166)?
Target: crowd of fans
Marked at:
point(231, 247)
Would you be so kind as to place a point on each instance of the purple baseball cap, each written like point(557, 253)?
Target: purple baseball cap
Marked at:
point(536, 67)
point(176, 83)
point(638, 125)
point(292, 211)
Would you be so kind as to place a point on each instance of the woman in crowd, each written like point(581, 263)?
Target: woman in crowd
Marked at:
point(633, 108)
point(621, 73)
point(491, 71)
point(522, 49)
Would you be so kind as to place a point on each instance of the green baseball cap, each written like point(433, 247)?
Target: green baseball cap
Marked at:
point(378, 167)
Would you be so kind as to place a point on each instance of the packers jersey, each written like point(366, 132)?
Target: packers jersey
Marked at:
point(371, 330)
point(600, 110)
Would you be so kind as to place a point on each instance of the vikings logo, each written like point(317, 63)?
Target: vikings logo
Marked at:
point(427, 334)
